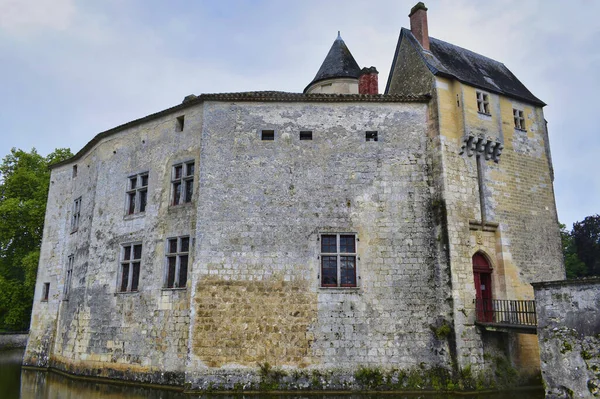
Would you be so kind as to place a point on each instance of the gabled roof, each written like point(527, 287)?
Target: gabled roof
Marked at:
point(339, 63)
point(445, 59)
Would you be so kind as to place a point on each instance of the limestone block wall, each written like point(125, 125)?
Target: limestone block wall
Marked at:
point(568, 315)
point(99, 330)
point(261, 209)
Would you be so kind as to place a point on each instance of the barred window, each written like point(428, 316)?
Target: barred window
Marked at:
point(483, 103)
point(129, 276)
point(76, 214)
point(178, 250)
point(137, 193)
point(338, 260)
point(519, 119)
point(68, 277)
point(182, 183)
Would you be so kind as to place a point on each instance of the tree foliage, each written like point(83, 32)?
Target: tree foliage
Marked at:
point(573, 265)
point(586, 236)
point(24, 181)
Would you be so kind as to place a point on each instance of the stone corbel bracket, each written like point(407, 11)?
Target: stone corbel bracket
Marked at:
point(490, 149)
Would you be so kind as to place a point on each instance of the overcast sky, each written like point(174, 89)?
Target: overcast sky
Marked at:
point(70, 69)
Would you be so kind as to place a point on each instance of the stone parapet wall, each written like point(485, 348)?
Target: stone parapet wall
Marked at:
point(569, 337)
point(13, 340)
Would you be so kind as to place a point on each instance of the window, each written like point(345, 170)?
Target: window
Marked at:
point(483, 103)
point(129, 278)
point(76, 214)
point(519, 119)
point(177, 262)
point(180, 123)
point(267, 135)
point(46, 292)
point(338, 260)
point(371, 136)
point(68, 277)
point(182, 183)
point(306, 135)
point(74, 171)
point(137, 193)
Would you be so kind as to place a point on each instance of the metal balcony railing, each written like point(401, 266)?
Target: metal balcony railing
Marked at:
point(508, 313)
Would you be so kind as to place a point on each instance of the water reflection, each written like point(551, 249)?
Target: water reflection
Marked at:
point(48, 385)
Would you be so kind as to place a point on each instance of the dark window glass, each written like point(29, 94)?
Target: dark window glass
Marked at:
point(133, 183)
point(137, 251)
point(348, 271)
point(178, 172)
point(306, 135)
point(173, 245)
point(172, 262)
point(190, 169)
point(124, 276)
point(268, 135)
point(177, 193)
point(347, 244)
point(143, 200)
point(135, 278)
point(46, 292)
point(183, 266)
point(144, 180)
point(328, 244)
point(127, 253)
point(131, 200)
point(329, 271)
point(185, 244)
point(189, 190)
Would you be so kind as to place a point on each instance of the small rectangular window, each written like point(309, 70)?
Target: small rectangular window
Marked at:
point(74, 171)
point(338, 260)
point(371, 135)
point(268, 135)
point(76, 215)
point(180, 123)
point(137, 193)
point(68, 277)
point(182, 183)
point(177, 262)
point(46, 292)
point(306, 135)
point(129, 276)
point(483, 103)
point(519, 119)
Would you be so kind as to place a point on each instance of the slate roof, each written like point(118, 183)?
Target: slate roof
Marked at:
point(249, 96)
point(339, 63)
point(445, 59)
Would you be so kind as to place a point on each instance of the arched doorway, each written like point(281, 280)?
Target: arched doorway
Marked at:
point(482, 275)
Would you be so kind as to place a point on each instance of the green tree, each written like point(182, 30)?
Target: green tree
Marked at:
point(24, 181)
point(586, 236)
point(573, 265)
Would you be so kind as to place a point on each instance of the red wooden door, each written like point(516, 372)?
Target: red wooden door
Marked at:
point(482, 276)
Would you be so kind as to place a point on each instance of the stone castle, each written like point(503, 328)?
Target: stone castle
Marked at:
point(315, 234)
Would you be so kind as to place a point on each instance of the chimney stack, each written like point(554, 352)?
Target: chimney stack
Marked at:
point(368, 82)
point(418, 24)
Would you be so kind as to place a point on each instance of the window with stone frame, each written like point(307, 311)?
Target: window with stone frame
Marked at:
point(519, 119)
point(76, 215)
point(45, 292)
point(182, 183)
point(129, 273)
point(483, 103)
point(137, 193)
point(68, 277)
point(338, 260)
point(178, 250)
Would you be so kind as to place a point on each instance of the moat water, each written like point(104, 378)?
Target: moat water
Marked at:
point(17, 383)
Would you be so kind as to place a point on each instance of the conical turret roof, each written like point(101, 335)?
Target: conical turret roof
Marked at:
point(339, 63)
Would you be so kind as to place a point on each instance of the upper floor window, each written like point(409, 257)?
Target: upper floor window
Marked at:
point(483, 103)
point(137, 193)
point(129, 276)
point(519, 119)
point(371, 135)
point(76, 214)
point(68, 277)
point(338, 260)
point(178, 250)
point(45, 292)
point(182, 182)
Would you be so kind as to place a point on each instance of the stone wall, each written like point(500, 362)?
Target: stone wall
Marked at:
point(13, 340)
point(568, 315)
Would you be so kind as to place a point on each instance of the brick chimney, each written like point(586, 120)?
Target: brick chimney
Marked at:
point(418, 24)
point(368, 82)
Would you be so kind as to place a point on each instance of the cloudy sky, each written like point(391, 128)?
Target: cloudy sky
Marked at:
point(70, 69)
